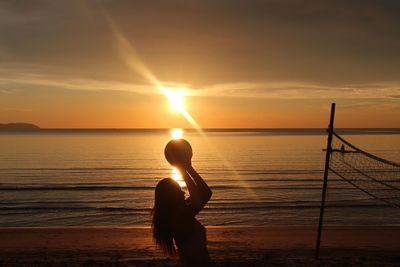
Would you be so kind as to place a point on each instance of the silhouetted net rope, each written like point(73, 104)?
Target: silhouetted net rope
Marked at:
point(377, 177)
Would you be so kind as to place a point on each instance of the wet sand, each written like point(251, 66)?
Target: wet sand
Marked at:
point(228, 246)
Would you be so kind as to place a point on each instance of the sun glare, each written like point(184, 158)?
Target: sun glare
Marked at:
point(175, 97)
point(177, 176)
point(176, 133)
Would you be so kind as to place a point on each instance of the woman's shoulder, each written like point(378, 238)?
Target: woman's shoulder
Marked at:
point(185, 214)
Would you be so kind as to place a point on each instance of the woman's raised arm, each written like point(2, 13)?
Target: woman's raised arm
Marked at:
point(205, 191)
point(199, 191)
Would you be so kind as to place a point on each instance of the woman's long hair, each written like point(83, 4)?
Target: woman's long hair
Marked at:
point(168, 199)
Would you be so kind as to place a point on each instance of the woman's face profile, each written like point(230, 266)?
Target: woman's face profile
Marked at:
point(178, 192)
point(169, 190)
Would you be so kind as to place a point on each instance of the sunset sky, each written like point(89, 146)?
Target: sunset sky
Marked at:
point(64, 64)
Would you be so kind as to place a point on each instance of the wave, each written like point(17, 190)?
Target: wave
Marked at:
point(152, 171)
point(71, 208)
point(146, 188)
point(80, 169)
point(265, 207)
point(73, 188)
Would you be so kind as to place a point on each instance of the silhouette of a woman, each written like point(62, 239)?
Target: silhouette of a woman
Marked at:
point(174, 221)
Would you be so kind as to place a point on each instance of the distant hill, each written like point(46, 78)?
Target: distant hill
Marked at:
point(18, 126)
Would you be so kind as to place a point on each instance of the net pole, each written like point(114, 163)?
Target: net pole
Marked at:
point(327, 157)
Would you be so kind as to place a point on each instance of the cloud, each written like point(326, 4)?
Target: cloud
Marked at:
point(263, 89)
point(11, 109)
point(211, 42)
point(26, 75)
point(6, 91)
point(302, 90)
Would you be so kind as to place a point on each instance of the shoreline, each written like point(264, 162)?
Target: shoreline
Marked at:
point(208, 226)
point(237, 246)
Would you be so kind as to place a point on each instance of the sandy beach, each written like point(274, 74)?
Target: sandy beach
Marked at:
point(229, 246)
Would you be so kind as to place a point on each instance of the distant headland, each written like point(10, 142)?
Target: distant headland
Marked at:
point(18, 126)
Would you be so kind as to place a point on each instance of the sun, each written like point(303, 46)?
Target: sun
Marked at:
point(176, 133)
point(177, 176)
point(175, 97)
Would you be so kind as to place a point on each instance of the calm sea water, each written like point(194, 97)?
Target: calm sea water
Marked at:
point(107, 178)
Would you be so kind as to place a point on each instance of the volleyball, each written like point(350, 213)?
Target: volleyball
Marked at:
point(178, 151)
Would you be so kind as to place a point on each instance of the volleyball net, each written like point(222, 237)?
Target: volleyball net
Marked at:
point(375, 176)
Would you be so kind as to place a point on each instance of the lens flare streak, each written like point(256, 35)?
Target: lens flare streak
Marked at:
point(175, 96)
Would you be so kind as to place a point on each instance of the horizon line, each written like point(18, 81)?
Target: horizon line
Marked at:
point(209, 128)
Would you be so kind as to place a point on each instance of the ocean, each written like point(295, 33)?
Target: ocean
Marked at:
point(259, 177)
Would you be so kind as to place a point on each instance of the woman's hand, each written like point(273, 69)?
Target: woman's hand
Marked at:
point(183, 164)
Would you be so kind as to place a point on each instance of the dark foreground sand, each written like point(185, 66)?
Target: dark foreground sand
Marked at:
point(229, 246)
